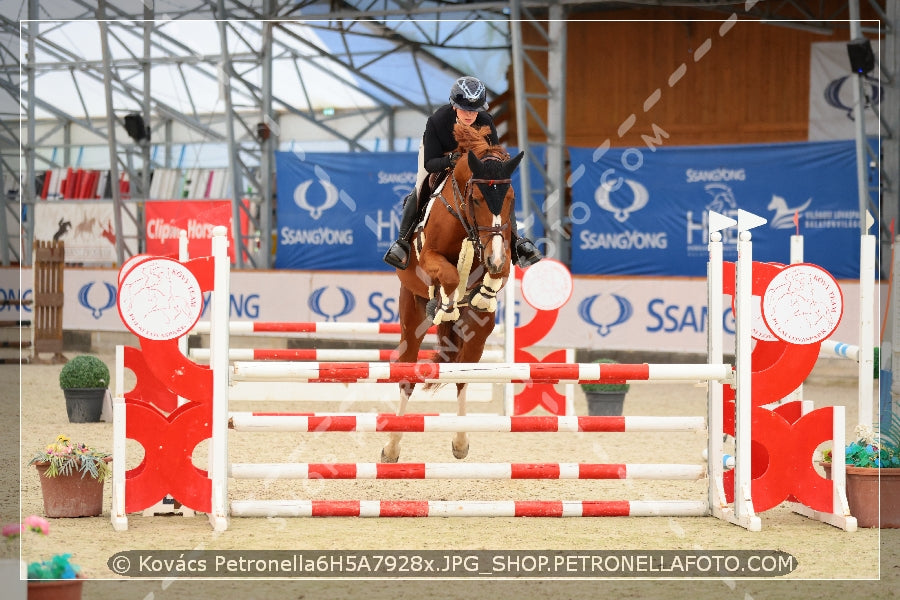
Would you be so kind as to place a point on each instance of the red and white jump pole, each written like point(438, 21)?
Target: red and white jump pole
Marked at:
point(372, 422)
point(473, 508)
point(378, 372)
point(464, 471)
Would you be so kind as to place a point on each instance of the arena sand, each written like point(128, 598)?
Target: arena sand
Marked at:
point(830, 563)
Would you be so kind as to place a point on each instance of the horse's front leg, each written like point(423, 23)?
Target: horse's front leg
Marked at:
point(460, 443)
point(391, 451)
point(439, 269)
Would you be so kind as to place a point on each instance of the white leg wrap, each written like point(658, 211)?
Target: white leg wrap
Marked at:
point(486, 297)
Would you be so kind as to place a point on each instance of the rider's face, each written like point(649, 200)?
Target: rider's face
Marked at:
point(466, 117)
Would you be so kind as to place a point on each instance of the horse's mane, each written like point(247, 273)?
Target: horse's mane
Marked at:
point(472, 139)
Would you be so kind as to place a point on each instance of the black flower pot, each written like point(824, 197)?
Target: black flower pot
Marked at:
point(604, 404)
point(84, 405)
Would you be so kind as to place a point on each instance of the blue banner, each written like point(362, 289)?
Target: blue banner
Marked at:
point(529, 217)
point(643, 211)
point(340, 211)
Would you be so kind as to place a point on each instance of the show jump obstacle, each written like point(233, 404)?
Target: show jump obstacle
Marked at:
point(176, 404)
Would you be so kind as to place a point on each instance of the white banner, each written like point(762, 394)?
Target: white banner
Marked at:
point(604, 313)
point(831, 84)
point(86, 227)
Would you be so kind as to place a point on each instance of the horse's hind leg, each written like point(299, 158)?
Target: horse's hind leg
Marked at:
point(391, 451)
point(460, 443)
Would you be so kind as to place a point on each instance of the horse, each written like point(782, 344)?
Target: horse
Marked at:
point(460, 260)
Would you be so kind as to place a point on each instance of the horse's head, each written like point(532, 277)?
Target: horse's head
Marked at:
point(485, 176)
point(491, 205)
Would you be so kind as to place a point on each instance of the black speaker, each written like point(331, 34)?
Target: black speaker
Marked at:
point(134, 125)
point(862, 59)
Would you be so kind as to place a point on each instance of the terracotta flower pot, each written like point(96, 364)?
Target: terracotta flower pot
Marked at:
point(70, 495)
point(863, 498)
point(55, 589)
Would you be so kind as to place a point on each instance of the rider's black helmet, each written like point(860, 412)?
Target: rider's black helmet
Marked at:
point(468, 93)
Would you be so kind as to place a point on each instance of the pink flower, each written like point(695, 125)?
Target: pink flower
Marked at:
point(13, 529)
point(37, 524)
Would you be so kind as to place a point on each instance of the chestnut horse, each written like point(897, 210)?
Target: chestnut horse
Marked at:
point(460, 260)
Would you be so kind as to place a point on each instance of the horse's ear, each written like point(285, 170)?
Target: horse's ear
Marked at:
point(512, 163)
point(475, 165)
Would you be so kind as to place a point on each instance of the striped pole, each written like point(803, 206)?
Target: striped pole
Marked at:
point(465, 471)
point(325, 354)
point(372, 422)
point(445, 508)
point(475, 372)
point(839, 349)
point(247, 327)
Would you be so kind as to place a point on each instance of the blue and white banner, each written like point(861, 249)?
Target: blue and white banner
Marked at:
point(528, 216)
point(340, 211)
point(831, 83)
point(643, 211)
point(604, 313)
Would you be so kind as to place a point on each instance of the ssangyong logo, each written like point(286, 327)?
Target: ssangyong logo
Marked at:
point(329, 308)
point(603, 196)
point(605, 311)
point(315, 212)
point(95, 302)
point(841, 97)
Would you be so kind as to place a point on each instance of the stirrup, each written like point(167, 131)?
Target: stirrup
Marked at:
point(527, 253)
point(397, 255)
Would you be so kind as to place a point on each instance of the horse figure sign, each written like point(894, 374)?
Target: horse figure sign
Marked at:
point(461, 260)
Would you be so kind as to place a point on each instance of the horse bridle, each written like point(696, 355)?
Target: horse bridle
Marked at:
point(465, 211)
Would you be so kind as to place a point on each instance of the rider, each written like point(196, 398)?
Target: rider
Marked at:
point(438, 152)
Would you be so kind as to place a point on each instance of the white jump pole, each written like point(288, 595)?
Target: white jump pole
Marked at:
point(866, 324)
point(218, 362)
point(796, 258)
point(743, 502)
point(719, 507)
point(509, 339)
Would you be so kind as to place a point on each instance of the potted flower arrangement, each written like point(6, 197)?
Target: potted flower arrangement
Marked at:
point(871, 460)
point(56, 578)
point(84, 381)
point(72, 476)
point(605, 399)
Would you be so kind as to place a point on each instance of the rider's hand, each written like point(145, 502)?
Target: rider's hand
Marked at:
point(454, 156)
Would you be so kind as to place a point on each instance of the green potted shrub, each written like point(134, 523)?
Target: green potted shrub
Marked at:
point(84, 381)
point(871, 459)
point(605, 399)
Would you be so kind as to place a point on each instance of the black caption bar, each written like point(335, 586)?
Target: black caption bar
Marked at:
point(451, 563)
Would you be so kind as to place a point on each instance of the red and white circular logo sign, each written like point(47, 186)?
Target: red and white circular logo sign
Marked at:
point(160, 299)
point(803, 304)
point(547, 285)
point(758, 328)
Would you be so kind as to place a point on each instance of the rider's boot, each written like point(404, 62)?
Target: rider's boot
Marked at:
point(398, 254)
point(524, 252)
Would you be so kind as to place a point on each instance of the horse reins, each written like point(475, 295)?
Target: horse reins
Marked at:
point(465, 210)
